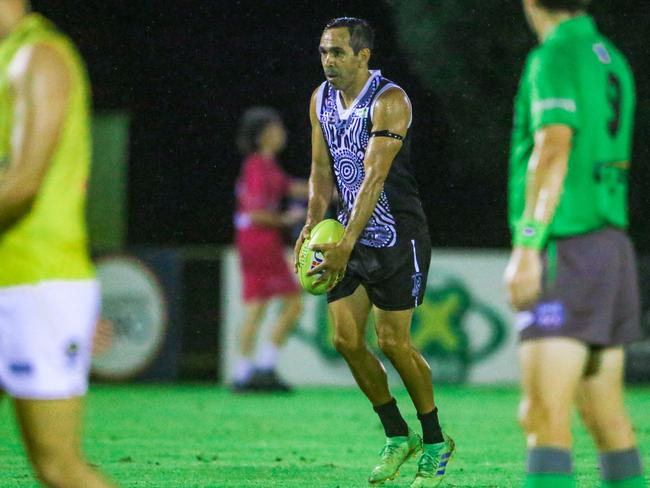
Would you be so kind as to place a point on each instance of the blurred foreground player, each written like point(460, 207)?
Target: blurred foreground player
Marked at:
point(259, 222)
point(360, 144)
point(49, 299)
point(572, 273)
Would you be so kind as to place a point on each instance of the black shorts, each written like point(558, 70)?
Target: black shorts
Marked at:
point(395, 278)
point(591, 291)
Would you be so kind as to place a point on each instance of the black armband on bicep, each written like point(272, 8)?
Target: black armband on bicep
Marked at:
point(386, 133)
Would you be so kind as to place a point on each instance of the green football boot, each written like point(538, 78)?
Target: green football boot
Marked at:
point(433, 463)
point(394, 453)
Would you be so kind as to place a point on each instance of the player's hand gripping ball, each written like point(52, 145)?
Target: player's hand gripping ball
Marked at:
point(328, 231)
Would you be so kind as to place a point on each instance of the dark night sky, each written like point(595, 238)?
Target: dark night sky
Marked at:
point(186, 70)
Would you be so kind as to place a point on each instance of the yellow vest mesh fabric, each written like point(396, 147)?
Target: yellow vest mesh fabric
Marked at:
point(50, 242)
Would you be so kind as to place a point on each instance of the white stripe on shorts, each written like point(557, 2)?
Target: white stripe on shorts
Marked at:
point(415, 264)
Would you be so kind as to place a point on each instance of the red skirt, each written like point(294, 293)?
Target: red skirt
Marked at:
point(266, 273)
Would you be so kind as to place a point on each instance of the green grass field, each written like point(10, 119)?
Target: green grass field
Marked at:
point(204, 436)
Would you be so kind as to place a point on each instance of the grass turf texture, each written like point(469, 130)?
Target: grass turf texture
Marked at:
point(203, 436)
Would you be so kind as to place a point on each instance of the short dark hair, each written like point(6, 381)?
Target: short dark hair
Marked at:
point(362, 35)
point(251, 126)
point(568, 5)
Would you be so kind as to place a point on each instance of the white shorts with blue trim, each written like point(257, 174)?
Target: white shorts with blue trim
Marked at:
point(46, 333)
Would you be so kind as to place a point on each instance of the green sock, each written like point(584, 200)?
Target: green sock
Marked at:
point(546, 480)
point(636, 482)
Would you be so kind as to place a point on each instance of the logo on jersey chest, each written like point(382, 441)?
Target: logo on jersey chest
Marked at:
point(342, 125)
point(361, 112)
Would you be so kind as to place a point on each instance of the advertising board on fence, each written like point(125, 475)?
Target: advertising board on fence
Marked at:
point(463, 328)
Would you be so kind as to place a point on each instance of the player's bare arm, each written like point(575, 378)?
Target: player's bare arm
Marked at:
point(547, 169)
point(392, 113)
point(41, 82)
point(321, 182)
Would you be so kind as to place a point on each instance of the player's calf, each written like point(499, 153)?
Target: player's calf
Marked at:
point(548, 435)
point(619, 459)
point(611, 432)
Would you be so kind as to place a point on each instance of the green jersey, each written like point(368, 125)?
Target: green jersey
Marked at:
point(577, 78)
point(49, 243)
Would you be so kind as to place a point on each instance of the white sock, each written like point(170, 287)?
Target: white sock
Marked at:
point(243, 370)
point(267, 357)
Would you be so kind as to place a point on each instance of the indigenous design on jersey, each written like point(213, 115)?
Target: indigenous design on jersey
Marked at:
point(347, 132)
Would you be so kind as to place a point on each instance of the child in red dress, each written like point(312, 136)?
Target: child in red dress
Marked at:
point(259, 222)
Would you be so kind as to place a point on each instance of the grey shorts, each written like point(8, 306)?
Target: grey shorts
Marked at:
point(590, 291)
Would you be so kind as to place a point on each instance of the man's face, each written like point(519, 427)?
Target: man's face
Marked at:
point(340, 64)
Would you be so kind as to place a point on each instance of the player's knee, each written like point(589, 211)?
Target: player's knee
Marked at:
point(393, 347)
point(609, 430)
point(538, 414)
point(348, 346)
